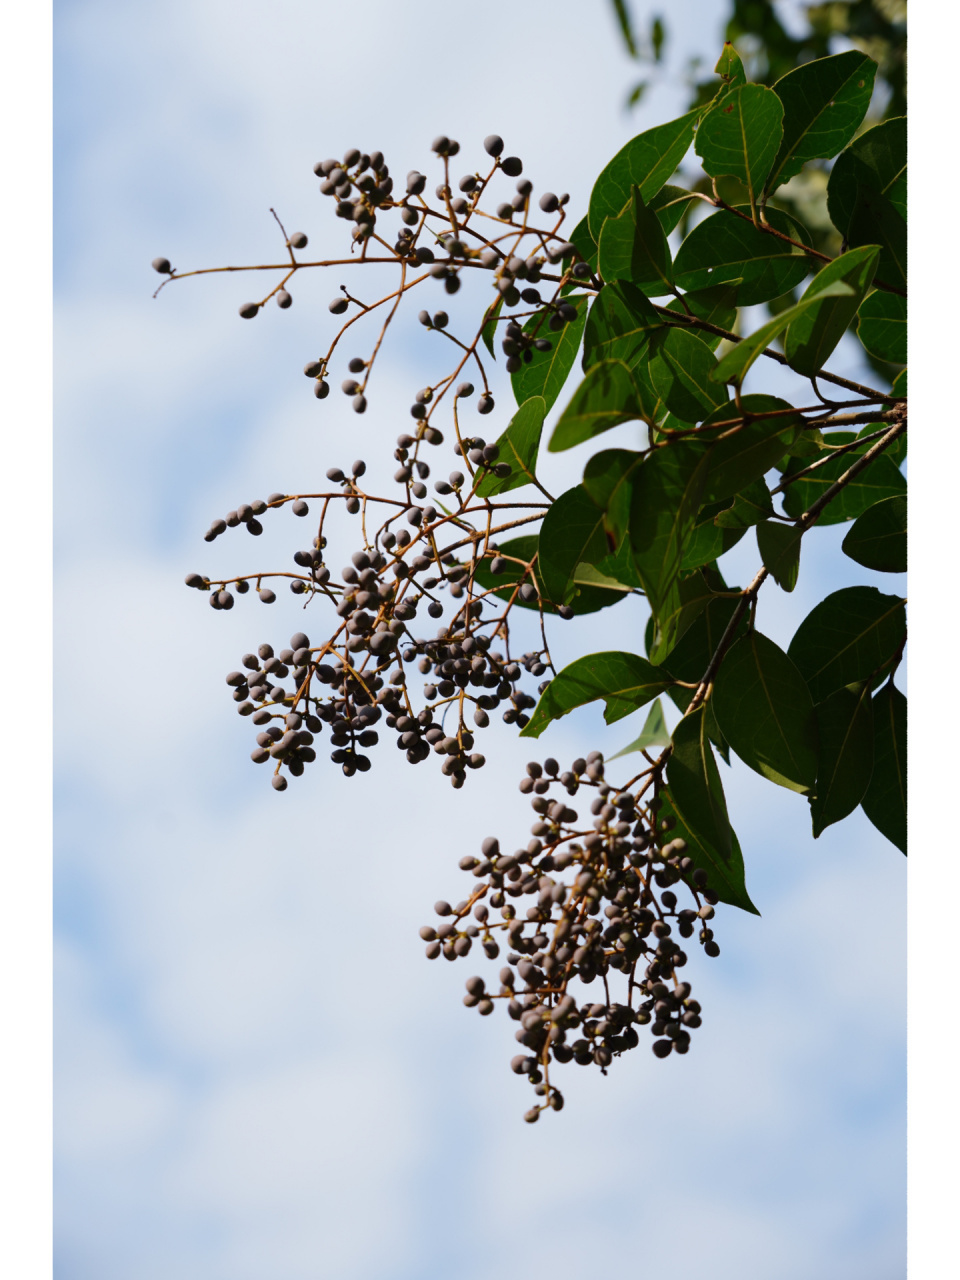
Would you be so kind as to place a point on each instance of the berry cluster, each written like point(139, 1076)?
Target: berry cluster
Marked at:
point(603, 902)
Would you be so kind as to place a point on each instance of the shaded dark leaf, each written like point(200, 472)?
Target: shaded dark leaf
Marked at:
point(765, 711)
point(723, 248)
point(779, 546)
point(850, 636)
point(885, 802)
point(878, 538)
point(845, 734)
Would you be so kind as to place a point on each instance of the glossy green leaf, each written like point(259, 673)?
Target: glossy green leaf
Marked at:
point(547, 371)
point(695, 786)
point(734, 365)
point(845, 735)
point(518, 448)
point(814, 334)
point(716, 304)
point(520, 551)
point(666, 499)
point(725, 875)
point(779, 546)
point(489, 330)
point(653, 734)
point(741, 135)
point(885, 801)
point(606, 397)
point(878, 538)
point(633, 247)
point(879, 479)
point(619, 326)
point(824, 103)
point(765, 711)
point(751, 451)
point(882, 326)
point(724, 247)
point(850, 636)
point(624, 681)
point(680, 368)
point(752, 505)
point(647, 161)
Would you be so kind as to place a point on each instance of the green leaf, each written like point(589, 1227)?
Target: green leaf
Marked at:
point(686, 599)
point(885, 802)
point(633, 247)
point(518, 447)
point(606, 397)
point(571, 534)
point(489, 330)
point(709, 541)
point(752, 505)
point(779, 546)
point(695, 786)
point(725, 876)
point(681, 368)
point(647, 161)
point(765, 711)
point(813, 335)
point(878, 538)
point(752, 450)
point(899, 387)
point(522, 550)
point(845, 733)
point(653, 734)
point(626, 27)
point(824, 103)
point(624, 681)
point(876, 161)
point(741, 135)
point(882, 326)
point(717, 304)
point(691, 655)
point(608, 478)
point(723, 248)
point(669, 204)
point(547, 371)
point(666, 498)
point(848, 637)
point(866, 196)
point(880, 478)
point(730, 68)
point(734, 365)
point(619, 326)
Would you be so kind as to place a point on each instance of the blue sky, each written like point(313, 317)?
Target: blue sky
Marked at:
point(257, 1072)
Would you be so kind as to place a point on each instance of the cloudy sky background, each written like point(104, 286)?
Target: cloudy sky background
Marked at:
point(257, 1073)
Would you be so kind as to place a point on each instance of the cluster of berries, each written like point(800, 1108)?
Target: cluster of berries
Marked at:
point(603, 902)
